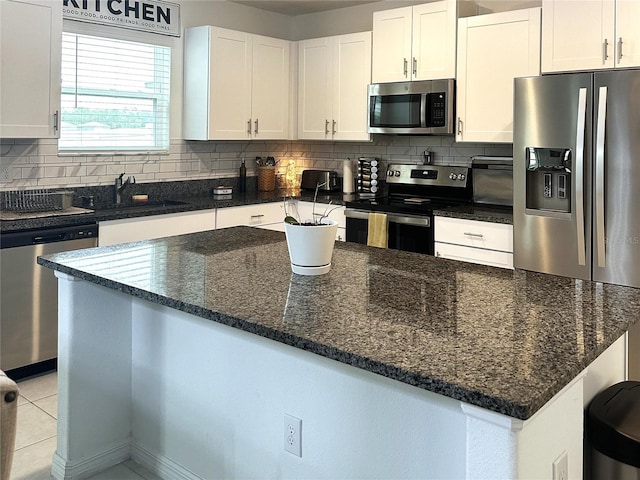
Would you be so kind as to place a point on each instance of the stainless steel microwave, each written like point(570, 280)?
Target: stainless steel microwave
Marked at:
point(412, 108)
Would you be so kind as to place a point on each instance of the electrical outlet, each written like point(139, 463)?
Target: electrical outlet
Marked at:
point(561, 467)
point(293, 435)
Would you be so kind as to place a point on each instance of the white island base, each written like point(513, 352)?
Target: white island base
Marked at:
point(189, 398)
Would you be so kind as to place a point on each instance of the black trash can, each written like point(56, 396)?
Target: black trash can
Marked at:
point(613, 428)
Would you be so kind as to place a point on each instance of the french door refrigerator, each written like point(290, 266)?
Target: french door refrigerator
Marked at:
point(576, 169)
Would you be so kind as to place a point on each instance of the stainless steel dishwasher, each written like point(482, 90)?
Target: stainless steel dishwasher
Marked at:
point(29, 307)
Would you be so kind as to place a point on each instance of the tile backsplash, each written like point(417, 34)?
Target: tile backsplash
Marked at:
point(26, 164)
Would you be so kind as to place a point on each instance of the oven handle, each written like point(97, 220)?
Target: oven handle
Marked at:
point(416, 220)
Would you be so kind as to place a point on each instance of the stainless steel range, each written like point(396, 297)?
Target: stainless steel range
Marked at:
point(413, 193)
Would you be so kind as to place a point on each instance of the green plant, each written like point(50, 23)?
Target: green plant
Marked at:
point(316, 217)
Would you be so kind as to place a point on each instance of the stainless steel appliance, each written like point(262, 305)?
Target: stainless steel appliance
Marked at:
point(492, 180)
point(327, 180)
point(414, 108)
point(29, 310)
point(577, 175)
point(413, 192)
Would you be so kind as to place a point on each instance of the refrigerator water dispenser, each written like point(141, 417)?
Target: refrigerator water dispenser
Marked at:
point(548, 179)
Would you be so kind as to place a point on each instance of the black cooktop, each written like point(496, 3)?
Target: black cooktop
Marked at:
point(405, 204)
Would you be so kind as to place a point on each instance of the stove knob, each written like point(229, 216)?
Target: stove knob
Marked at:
point(461, 176)
point(397, 173)
point(452, 176)
point(389, 173)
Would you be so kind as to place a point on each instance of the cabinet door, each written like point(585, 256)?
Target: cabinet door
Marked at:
point(487, 65)
point(574, 33)
point(434, 41)
point(351, 75)
point(230, 85)
point(391, 45)
point(314, 89)
point(113, 232)
point(270, 88)
point(30, 52)
point(627, 39)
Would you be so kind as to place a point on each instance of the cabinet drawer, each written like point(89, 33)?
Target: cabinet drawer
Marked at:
point(471, 233)
point(250, 215)
point(474, 255)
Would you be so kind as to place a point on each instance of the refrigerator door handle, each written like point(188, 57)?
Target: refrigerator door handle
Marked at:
point(579, 183)
point(599, 174)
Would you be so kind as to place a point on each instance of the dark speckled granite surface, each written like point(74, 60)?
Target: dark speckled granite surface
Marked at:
point(179, 201)
point(500, 339)
point(482, 213)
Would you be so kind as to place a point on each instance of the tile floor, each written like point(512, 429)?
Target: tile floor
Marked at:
point(36, 435)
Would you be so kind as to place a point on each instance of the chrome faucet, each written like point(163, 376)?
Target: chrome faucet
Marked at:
point(120, 186)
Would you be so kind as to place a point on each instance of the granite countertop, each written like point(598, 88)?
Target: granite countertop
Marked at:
point(482, 213)
point(176, 203)
point(504, 340)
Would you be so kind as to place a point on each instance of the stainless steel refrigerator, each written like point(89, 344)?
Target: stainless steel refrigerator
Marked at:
point(576, 170)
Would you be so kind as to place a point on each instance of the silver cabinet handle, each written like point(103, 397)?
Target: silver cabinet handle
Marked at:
point(619, 49)
point(579, 183)
point(475, 235)
point(257, 216)
point(599, 174)
point(415, 67)
point(55, 121)
point(326, 127)
point(256, 129)
point(249, 126)
point(459, 126)
point(406, 67)
point(333, 127)
point(605, 48)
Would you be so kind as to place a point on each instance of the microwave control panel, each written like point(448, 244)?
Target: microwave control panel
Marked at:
point(436, 109)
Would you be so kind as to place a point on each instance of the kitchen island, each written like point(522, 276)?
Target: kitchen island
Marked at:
point(185, 354)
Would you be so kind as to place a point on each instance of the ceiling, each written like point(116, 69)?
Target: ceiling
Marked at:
point(301, 7)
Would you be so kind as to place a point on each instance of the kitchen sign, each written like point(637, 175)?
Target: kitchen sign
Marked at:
point(143, 15)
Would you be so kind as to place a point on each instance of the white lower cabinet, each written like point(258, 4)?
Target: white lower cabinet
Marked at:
point(113, 232)
point(269, 216)
point(473, 241)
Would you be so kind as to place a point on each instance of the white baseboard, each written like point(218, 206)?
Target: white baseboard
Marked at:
point(62, 469)
point(160, 465)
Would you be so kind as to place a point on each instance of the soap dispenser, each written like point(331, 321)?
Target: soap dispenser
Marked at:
point(242, 181)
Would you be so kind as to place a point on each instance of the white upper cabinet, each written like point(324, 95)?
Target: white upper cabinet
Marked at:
point(590, 34)
point(415, 43)
point(236, 85)
point(30, 52)
point(493, 49)
point(333, 74)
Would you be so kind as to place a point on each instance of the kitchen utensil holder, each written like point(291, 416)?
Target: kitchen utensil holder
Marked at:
point(266, 179)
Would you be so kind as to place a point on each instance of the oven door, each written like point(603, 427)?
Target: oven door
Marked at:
point(410, 233)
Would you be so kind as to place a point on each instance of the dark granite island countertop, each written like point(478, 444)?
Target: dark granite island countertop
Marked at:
point(506, 341)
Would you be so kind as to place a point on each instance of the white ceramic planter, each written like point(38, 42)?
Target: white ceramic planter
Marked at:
point(311, 246)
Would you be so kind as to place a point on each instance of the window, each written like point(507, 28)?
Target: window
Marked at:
point(115, 95)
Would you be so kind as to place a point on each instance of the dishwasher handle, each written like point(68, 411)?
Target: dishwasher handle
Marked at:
point(58, 237)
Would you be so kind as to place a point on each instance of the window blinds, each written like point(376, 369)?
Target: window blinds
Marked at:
point(115, 95)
